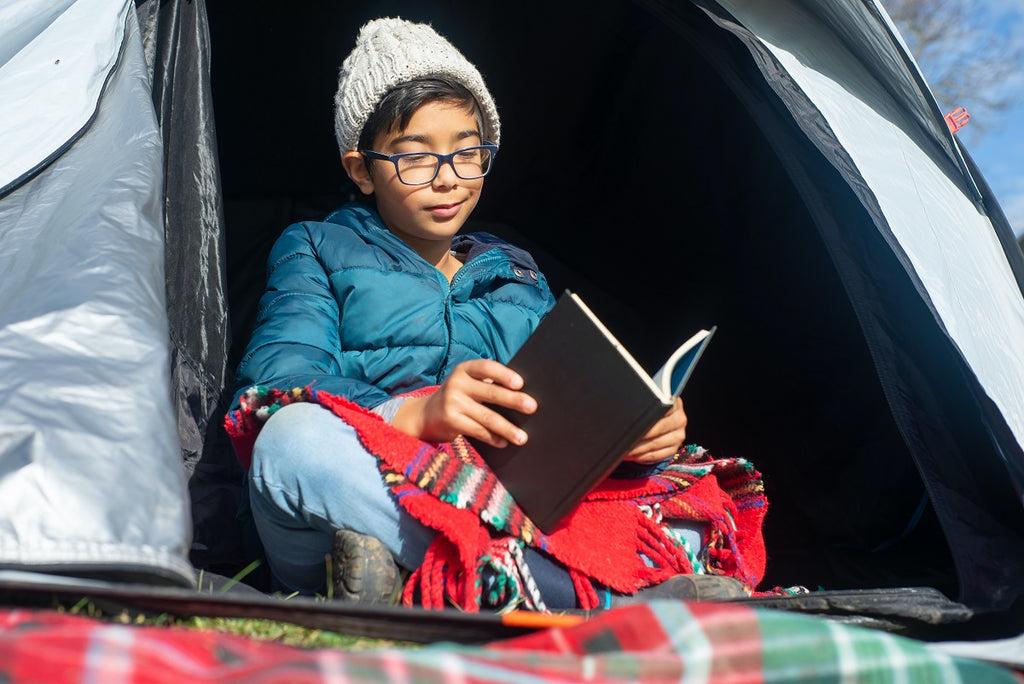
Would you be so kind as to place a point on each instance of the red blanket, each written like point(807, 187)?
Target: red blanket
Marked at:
point(645, 642)
point(603, 542)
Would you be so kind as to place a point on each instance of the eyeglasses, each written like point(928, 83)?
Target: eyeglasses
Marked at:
point(420, 168)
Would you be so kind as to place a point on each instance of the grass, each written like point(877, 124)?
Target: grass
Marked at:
point(261, 629)
point(293, 635)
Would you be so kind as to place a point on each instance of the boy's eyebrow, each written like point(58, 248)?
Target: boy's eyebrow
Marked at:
point(410, 137)
point(419, 138)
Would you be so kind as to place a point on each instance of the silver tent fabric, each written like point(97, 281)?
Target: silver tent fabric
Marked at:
point(90, 474)
point(50, 90)
point(956, 388)
point(176, 43)
point(951, 246)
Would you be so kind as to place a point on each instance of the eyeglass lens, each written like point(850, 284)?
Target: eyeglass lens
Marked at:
point(470, 163)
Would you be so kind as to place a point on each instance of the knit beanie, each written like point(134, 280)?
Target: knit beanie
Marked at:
point(391, 51)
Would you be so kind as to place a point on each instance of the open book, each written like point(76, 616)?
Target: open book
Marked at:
point(594, 403)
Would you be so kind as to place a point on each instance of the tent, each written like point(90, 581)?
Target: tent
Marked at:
point(776, 168)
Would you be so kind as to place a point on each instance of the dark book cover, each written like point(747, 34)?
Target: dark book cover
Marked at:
point(593, 403)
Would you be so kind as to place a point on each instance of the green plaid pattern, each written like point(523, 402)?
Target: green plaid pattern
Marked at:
point(664, 641)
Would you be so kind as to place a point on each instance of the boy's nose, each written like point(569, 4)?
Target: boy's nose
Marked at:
point(446, 175)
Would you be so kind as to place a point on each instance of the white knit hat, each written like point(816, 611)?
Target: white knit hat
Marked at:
point(391, 51)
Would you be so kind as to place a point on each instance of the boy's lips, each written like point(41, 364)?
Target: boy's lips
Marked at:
point(445, 210)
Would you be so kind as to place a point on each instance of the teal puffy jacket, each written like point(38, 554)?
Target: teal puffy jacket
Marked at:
point(352, 310)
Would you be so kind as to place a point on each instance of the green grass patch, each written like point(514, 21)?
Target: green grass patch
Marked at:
point(261, 629)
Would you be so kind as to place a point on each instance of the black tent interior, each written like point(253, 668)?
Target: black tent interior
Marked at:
point(647, 165)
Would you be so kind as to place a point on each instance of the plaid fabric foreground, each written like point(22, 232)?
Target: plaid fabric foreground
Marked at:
point(657, 642)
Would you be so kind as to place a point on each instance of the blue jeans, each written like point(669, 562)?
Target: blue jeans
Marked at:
point(311, 476)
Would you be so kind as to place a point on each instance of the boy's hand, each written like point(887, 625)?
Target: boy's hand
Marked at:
point(460, 406)
point(664, 439)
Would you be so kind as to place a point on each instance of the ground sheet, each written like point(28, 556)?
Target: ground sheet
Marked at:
point(655, 642)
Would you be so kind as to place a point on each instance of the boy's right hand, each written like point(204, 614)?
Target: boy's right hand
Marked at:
point(460, 406)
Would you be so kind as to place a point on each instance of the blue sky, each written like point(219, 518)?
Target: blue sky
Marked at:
point(998, 149)
point(1000, 156)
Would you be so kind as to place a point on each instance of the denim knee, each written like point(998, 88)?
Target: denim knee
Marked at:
point(310, 465)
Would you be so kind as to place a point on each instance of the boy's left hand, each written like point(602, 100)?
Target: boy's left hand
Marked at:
point(664, 439)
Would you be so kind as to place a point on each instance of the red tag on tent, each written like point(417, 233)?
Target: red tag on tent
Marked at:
point(957, 119)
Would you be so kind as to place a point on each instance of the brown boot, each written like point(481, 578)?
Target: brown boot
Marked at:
point(363, 570)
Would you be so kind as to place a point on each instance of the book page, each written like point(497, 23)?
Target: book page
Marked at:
point(672, 377)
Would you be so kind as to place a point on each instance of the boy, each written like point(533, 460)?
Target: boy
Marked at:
point(380, 300)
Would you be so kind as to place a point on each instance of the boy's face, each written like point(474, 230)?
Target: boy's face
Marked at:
point(425, 217)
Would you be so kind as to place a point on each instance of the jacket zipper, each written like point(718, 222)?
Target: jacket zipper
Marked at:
point(476, 262)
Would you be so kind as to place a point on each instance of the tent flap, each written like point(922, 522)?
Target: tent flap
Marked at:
point(935, 293)
point(90, 477)
point(175, 33)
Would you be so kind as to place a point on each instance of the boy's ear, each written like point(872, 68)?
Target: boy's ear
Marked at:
point(356, 169)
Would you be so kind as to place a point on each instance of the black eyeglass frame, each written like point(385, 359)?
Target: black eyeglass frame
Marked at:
point(442, 159)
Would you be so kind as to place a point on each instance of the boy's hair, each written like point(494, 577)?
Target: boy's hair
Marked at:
point(389, 52)
point(397, 107)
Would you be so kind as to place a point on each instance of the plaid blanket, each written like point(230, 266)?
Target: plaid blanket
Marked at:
point(657, 642)
point(616, 538)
